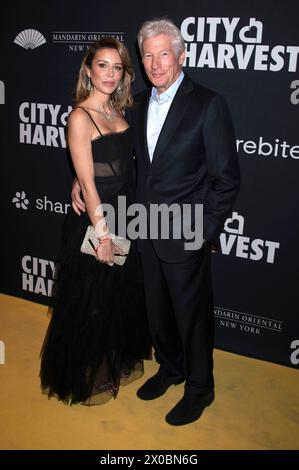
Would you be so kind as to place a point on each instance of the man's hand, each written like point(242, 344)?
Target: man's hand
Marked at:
point(77, 203)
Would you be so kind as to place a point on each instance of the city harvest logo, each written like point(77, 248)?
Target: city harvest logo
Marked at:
point(2, 92)
point(21, 201)
point(263, 148)
point(29, 39)
point(43, 124)
point(226, 43)
point(38, 275)
point(246, 322)
point(245, 247)
point(79, 41)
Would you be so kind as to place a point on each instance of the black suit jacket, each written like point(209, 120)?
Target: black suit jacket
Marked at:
point(195, 161)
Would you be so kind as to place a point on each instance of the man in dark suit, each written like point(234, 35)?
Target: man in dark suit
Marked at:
point(186, 154)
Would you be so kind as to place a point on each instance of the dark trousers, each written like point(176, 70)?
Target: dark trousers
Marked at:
point(180, 313)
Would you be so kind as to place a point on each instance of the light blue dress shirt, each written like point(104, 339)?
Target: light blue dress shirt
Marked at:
point(157, 111)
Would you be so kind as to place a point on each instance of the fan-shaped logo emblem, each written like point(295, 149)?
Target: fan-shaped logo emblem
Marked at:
point(29, 39)
point(20, 200)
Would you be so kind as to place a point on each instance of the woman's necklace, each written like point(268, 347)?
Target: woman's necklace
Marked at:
point(110, 116)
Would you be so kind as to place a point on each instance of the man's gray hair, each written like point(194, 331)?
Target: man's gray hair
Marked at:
point(161, 26)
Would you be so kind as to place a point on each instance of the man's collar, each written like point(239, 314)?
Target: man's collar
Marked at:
point(170, 92)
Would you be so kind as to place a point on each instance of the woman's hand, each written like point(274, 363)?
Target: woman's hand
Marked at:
point(106, 250)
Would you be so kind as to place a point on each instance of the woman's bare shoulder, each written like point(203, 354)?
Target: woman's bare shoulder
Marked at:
point(78, 117)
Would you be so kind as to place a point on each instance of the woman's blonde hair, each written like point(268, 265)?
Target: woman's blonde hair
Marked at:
point(122, 97)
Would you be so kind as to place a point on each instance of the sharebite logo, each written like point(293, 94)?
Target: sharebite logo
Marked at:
point(234, 241)
point(42, 203)
point(20, 200)
point(232, 43)
point(261, 147)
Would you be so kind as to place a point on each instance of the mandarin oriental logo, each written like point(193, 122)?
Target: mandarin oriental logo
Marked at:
point(247, 322)
point(79, 41)
point(29, 39)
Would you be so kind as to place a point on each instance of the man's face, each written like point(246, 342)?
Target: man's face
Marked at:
point(161, 64)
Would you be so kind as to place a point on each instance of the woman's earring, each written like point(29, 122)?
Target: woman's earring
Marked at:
point(89, 85)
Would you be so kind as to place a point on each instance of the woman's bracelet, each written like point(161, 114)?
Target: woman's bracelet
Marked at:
point(104, 239)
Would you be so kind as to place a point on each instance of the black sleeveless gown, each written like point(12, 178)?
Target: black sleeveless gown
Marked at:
point(98, 334)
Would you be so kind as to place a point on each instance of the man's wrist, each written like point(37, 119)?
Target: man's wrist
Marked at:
point(211, 246)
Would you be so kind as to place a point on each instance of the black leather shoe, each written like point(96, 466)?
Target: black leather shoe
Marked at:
point(189, 408)
point(156, 386)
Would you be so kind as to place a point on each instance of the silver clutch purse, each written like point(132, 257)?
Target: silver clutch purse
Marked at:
point(91, 242)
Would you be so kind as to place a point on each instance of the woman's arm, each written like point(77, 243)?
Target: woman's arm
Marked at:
point(79, 141)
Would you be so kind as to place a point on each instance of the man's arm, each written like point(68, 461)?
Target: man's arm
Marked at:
point(223, 167)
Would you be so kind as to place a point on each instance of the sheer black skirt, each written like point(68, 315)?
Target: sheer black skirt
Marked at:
point(98, 334)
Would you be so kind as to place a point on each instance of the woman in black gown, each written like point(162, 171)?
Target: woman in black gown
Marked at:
point(98, 336)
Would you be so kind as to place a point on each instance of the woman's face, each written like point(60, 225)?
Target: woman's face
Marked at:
point(106, 70)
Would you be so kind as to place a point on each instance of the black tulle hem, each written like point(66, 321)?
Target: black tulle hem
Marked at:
point(100, 393)
point(98, 334)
